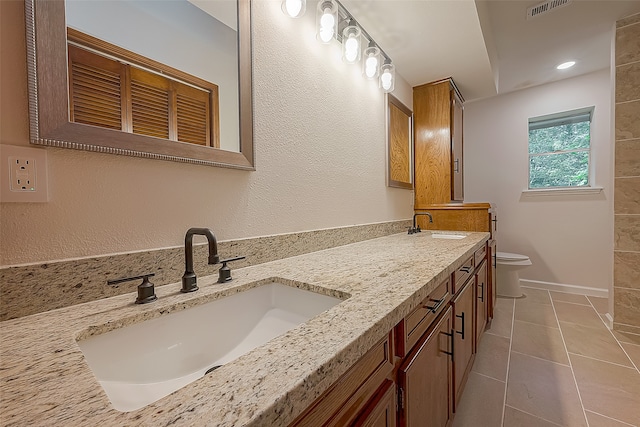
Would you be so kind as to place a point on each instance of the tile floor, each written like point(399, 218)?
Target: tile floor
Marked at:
point(548, 360)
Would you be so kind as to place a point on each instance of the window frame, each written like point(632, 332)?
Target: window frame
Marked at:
point(554, 120)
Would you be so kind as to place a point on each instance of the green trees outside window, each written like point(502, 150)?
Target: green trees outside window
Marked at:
point(559, 150)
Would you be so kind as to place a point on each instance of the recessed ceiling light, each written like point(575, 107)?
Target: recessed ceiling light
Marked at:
point(566, 65)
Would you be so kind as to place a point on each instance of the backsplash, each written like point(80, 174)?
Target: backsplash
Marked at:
point(36, 288)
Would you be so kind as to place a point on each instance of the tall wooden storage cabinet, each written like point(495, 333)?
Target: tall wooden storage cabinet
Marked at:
point(438, 110)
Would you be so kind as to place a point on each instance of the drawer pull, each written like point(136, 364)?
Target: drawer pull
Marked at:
point(438, 302)
point(450, 353)
point(466, 269)
point(481, 285)
point(461, 316)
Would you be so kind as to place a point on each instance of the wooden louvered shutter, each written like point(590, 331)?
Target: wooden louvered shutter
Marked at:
point(96, 89)
point(124, 94)
point(151, 104)
point(192, 114)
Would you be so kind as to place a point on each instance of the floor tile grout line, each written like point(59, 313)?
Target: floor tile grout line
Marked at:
point(537, 324)
point(488, 376)
point(495, 335)
point(535, 416)
point(573, 303)
point(506, 379)
point(637, 367)
point(573, 374)
point(633, 368)
point(594, 307)
point(617, 340)
point(541, 358)
point(608, 417)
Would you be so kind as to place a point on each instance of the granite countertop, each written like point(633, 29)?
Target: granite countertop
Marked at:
point(46, 381)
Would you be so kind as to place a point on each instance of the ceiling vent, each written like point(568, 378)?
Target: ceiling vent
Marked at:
point(545, 7)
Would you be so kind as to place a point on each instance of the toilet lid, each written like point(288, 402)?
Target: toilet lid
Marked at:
point(507, 256)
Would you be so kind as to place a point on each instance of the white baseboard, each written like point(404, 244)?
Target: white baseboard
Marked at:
point(609, 320)
point(569, 289)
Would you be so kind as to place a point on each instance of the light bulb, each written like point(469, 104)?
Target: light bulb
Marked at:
point(293, 7)
point(351, 49)
point(386, 80)
point(371, 66)
point(327, 23)
point(327, 20)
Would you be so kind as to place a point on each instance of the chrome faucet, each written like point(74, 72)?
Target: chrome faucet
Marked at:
point(416, 229)
point(189, 277)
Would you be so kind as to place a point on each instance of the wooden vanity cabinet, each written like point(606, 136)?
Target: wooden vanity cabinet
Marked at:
point(437, 106)
point(381, 411)
point(424, 378)
point(362, 393)
point(463, 306)
point(415, 376)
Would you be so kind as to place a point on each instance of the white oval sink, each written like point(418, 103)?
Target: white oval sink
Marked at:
point(454, 236)
point(142, 363)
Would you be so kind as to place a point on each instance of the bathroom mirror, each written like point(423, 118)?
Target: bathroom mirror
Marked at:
point(400, 144)
point(51, 101)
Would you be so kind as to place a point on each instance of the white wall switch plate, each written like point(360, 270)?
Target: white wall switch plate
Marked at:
point(23, 173)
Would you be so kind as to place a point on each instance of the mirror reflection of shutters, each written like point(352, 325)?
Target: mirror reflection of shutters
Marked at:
point(150, 104)
point(108, 93)
point(96, 89)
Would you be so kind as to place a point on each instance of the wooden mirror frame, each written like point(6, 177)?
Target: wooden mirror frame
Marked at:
point(400, 145)
point(49, 101)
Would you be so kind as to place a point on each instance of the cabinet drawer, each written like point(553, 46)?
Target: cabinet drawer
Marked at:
point(416, 323)
point(480, 255)
point(461, 275)
point(348, 396)
point(419, 320)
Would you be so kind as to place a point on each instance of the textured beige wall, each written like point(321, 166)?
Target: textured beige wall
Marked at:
point(627, 176)
point(568, 238)
point(320, 150)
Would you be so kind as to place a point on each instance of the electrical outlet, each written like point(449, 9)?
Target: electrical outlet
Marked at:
point(23, 174)
point(22, 171)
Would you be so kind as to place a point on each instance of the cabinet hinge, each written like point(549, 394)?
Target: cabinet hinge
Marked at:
point(400, 398)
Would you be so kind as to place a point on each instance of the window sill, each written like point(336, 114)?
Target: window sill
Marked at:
point(562, 191)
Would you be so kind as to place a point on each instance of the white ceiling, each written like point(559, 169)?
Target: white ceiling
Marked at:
point(489, 46)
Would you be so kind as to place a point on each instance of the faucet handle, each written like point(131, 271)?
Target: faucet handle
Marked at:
point(224, 274)
point(146, 289)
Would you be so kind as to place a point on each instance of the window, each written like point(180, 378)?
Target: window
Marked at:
point(559, 149)
point(108, 88)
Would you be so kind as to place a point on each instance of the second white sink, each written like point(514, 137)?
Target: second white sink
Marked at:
point(142, 363)
point(454, 236)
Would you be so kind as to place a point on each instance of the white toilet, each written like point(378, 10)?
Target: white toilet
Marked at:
point(508, 280)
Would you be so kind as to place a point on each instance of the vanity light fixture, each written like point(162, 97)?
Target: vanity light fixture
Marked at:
point(371, 62)
point(326, 20)
point(351, 44)
point(333, 21)
point(294, 8)
point(387, 77)
point(566, 65)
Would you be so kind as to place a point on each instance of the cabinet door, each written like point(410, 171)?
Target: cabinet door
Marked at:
point(424, 379)
point(457, 188)
point(381, 411)
point(463, 322)
point(432, 146)
point(481, 300)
